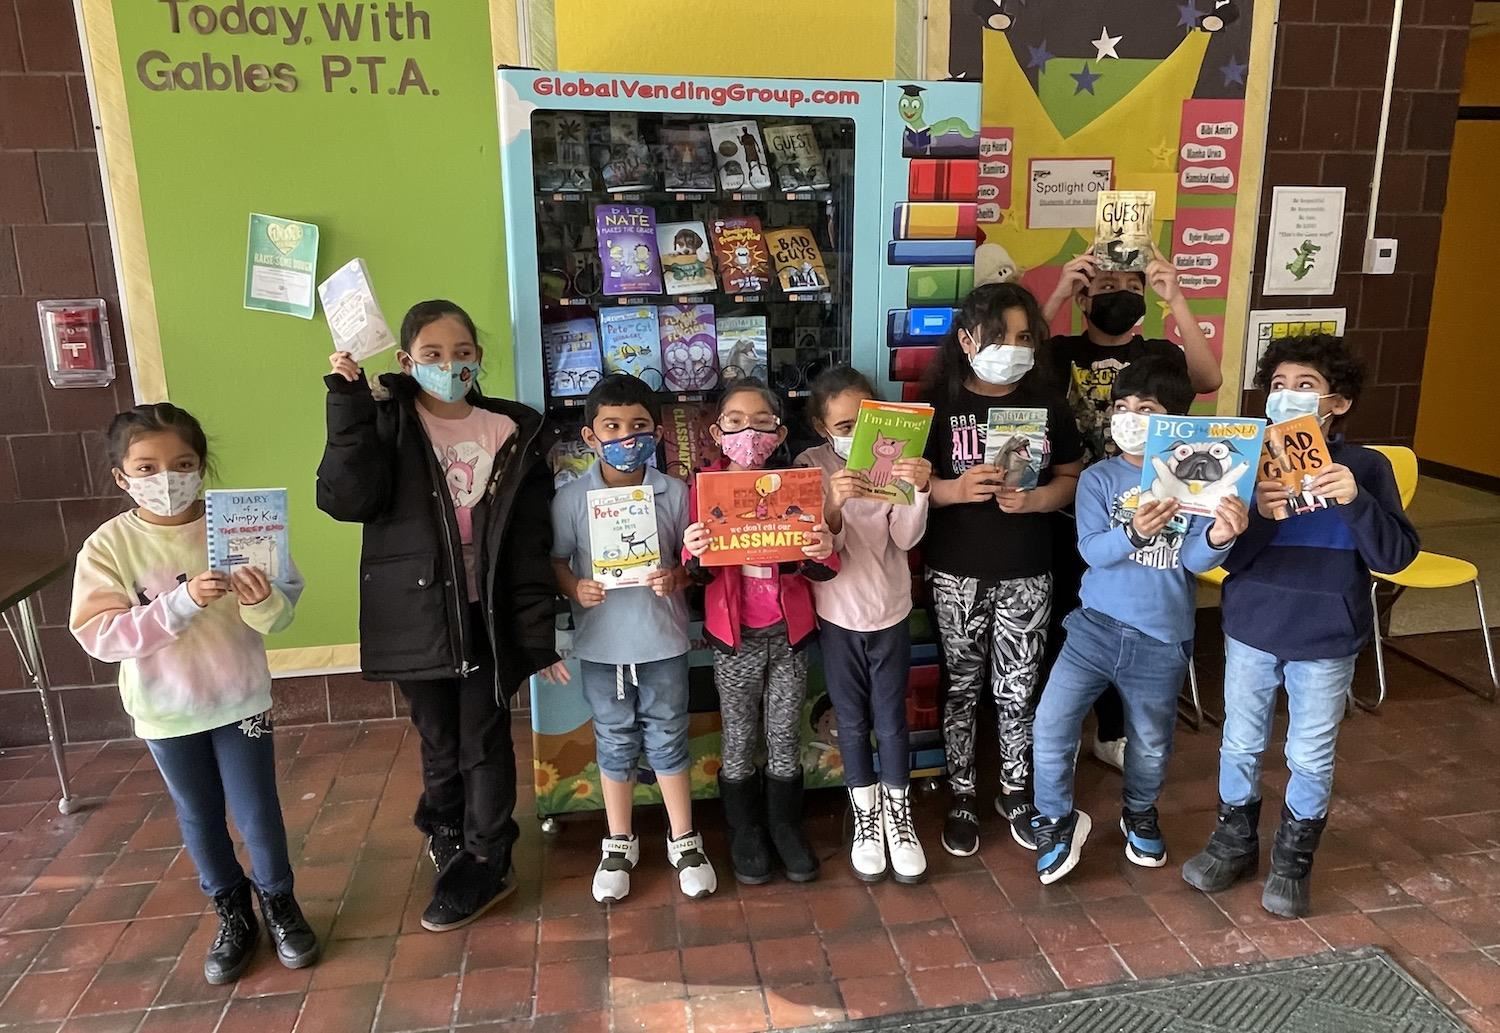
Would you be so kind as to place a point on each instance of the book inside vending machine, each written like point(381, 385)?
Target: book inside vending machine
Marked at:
point(695, 231)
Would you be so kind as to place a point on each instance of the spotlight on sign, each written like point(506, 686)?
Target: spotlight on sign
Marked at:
point(1224, 14)
point(995, 14)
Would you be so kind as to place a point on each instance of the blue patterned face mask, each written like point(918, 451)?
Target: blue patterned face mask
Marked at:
point(447, 381)
point(629, 454)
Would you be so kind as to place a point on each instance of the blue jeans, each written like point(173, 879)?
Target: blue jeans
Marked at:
point(235, 763)
point(639, 707)
point(1101, 651)
point(1315, 692)
point(867, 673)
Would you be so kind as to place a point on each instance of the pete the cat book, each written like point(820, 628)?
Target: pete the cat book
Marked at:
point(248, 529)
point(685, 263)
point(1296, 453)
point(884, 433)
point(1015, 441)
point(1123, 229)
point(799, 263)
point(759, 517)
point(622, 536)
point(627, 248)
point(1201, 460)
point(688, 347)
point(632, 343)
point(740, 248)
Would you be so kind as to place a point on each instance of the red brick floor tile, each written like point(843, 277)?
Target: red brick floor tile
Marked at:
point(1225, 947)
point(1091, 966)
point(187, 1018)
point(79, 947)
point(1479, 872)
point(1024, 892)
point(18, 950)
point(1345, 932)
point(651, 1018)
point(417, 1004)
point(942, 987)
point(574, 937)
point(717, 968)
point(853, 955)
point(71, 873)
point(869, 996)
point(1279, 938)
point(113, 1023)
point(1062, 928)
point(841, 909)
point(647, 976)
point(261, 1014)
point(499, 943)
point(1125, 920)
point(147, 939)
point(642, 929)
point(493, 994)
point(703, 923)
point(267, 977)
point(998, 936)
point(739, 1012)
point(1473, 974)
point(564, 986)
point(902, 905)
point(1478, 918)
point(185, 983)
point(347, 1007)
point(807, 1004)
point(969, 893)
point(44, 995)
point(143, 866)
point(931, 945)
point(425, 956)
point(1366, 887)
point(1156, 958)
point(771, 918)
point(39, 910)
point(1188, 913)
point(1419, 931)
point(353, 962)
point(789, 960)
point(123, 987)
point(119, 903)
point(175, 897)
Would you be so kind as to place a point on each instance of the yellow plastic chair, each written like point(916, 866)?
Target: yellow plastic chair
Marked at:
point(1428, 570)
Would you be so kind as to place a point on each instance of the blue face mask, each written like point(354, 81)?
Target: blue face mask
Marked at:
point(629, 454)
point(447, 382)
point(1283, 405)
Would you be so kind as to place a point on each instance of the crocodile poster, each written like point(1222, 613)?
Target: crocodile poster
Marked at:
point(1302, 247)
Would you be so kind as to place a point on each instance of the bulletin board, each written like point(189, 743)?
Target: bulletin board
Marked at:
point(1163, 96)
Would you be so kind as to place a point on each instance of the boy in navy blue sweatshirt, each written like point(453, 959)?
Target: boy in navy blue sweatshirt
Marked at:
point(1134, 628)
point(1297, 612)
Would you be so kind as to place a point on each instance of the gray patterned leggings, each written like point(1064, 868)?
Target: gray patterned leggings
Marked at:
point(764, 674)
point(993, 630)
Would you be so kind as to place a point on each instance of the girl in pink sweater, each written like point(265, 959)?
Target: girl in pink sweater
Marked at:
point(862, 617)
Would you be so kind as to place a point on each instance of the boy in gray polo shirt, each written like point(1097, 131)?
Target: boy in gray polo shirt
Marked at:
point(632, 643)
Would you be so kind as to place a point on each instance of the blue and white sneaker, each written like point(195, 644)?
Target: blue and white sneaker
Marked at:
point(1144, 844)
point(1059, 844)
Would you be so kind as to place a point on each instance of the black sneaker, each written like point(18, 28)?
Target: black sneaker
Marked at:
point(1144, 844)
point(444, 844)
point(234, 944)
point(1014, 805)
point(296, 944)
point(465, 890)
point(1059, 845)
point(961, 829)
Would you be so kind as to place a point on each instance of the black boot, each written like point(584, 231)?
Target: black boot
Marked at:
point(1233, 851)
point(296, 943)
point(784, 815)
point(465, 889)
point(1288, 892)
point(234, 945)
point(749, 845)
point(444, 843)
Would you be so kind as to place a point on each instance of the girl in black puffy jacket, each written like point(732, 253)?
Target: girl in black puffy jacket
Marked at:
point(455, 584)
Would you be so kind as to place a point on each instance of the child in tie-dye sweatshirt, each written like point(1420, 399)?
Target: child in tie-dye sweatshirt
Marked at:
point(193, 676)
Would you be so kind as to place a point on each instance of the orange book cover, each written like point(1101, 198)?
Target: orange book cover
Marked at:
point(759, 517)
point(1295, 453)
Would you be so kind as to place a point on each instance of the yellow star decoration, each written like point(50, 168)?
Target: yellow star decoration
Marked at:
point(1166, 310)
point(1162, 155)
point(1008, 215)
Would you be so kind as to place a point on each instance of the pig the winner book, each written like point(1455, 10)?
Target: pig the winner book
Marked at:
point(1296, 453)
point(627, 248)
point(759, 517)
point(885, 433)
point(1123, 230)
point(1201, 460)
point(248, 529)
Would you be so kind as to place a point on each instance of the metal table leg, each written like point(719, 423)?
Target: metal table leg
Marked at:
point(21, 622)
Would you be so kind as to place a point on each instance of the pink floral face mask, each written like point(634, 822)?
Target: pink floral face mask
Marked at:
point(749, 447)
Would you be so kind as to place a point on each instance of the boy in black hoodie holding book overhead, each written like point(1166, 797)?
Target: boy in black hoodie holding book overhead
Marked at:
point(1297, 611)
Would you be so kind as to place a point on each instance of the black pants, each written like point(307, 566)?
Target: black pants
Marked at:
point(867, 673)
point(1067, 577)
point(468, 757)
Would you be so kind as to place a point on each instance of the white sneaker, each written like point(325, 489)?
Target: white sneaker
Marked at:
point(612, 878)
point(695, 876)
point(867, 854)
point(908, 862)
point(1111, 753)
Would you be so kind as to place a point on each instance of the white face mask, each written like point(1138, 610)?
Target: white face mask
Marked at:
point(841, 446)
point(1002, 364)
point(1129, 431)
point(167, 493)
point(1283, 405)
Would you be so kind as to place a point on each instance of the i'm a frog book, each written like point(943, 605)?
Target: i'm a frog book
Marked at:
point(1201, 460)
point(627, 248)
point(248, 529)
point(1123, 230)
point(622, 536)
point(1296, 453)
point(798, 161)
point(799, 263)
point(759, 517)
point(740, 248)
point(1015, 440)
point(685, 263)
point(884, 433)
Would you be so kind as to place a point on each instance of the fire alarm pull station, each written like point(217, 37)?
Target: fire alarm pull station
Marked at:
point(75, 336)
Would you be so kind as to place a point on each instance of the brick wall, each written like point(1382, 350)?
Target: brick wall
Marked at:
point(1325, 115)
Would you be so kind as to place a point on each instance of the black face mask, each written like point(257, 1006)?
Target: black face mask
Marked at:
point(1114, 312)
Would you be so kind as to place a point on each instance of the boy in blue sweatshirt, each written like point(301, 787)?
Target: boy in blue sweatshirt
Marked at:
point(1134, 628)
point(1297, 612)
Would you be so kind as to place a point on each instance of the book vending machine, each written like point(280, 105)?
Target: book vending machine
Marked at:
point(691, 231)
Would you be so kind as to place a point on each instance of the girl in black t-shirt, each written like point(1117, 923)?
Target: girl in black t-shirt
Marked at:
point(989, 547)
